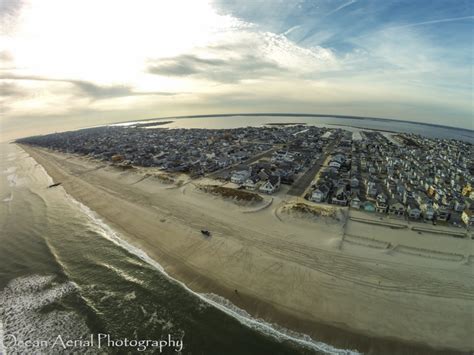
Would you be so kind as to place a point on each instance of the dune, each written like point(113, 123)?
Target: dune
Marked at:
point(353, 285)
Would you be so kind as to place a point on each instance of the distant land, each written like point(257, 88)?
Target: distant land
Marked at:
point(306, 115)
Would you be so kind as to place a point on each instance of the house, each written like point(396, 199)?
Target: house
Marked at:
point(335, 164)
point(459, 205)
point(251, 182)
point(368, 206)
point(354, 182)
point(320, 194)
point(443, 213)
point(355, 202)
point(271, 185)
point(468, 217)
point(239, 177)
point(340, 197)
point(381, 203)
point(427, 211)
point(339, 158)
point(282, 156)
point(371, 188)
point(396, 208)
point(263, 174)
point(413, 211)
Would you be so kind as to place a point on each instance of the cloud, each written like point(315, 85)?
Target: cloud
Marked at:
point(339, 8)
point(11, 90)
point(89, 89)
point(247, 55)
point(184, 65)
point(9, 11)
point(432, 22)
point(229, 70)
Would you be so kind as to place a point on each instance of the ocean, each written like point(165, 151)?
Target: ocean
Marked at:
point(64, 275)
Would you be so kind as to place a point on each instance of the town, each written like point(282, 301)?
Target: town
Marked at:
point(400, 175)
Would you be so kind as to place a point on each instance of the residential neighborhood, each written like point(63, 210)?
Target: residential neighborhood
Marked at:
point(405, 175)
point(398, 175)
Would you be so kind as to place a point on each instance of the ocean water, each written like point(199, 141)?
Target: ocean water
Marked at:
point(64, 273)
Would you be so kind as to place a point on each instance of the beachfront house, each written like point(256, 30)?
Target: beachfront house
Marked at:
point(239, 177)
point(396, 208)
point(442, 213)
point(320, 194)
point(251, 182)
point(368, 206)
point(381, 203)
point(413, 211)
point(468, 217)
point(340, 197)
point(427, 211)
point(271, 185)
point(355, 202)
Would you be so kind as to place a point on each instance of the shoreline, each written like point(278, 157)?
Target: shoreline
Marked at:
point(200, 273)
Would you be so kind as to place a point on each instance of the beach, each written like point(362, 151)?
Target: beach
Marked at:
point(339, 282)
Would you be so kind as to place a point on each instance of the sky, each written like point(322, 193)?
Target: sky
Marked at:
point(78, 63)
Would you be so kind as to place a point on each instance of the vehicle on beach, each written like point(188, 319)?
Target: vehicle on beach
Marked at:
point(206, 232)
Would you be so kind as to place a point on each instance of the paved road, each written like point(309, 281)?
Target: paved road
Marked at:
point(224, 172)
point(299, 186)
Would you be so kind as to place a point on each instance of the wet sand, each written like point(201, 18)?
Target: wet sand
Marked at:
point(338, 283)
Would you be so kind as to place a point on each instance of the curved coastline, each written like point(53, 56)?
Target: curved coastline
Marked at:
point(203, 281)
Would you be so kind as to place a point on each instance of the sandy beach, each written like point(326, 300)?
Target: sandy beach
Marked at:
point(353, 284)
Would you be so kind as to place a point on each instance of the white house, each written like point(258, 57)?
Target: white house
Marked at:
point(381, 203)
point(320, 194)
point(251, 182)
point(271, 185)
point(239, 177)
point(355, 202)
point(396, 208)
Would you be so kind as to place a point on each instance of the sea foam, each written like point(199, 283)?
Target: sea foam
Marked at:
point(2, 349)
point(21, 315)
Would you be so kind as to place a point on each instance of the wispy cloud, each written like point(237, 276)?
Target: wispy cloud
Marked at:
point(230, 70)
point(290, 30)
point(432, 22)
point(89, 89)
point(339, 8)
